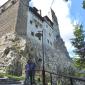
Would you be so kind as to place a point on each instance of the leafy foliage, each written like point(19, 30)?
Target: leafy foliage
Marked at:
point(78, 41)
point(79, 44)
point(79, 63)
point(84, 4)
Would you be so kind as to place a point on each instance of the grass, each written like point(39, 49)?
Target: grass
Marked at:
point(16, 77)
point(2, 75)
point(80, 74)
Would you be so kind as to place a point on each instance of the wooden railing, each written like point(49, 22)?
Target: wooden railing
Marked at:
point(56, 79)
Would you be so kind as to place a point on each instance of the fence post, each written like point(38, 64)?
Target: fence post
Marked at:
point(43, 75)
point(51, 78)
point(71, 81)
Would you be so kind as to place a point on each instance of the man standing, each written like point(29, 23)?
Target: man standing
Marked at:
point(30, 72)
point(27, 72)
point(33, 72)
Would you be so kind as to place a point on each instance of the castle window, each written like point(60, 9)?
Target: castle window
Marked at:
point(31, 49)
point(3, 9)
point(32, 33)
point(13, 1)
point(39, 60)
point(51, 43)
point(30, 22)
point(36, 26)
point(40, 26)
point(48, 40)
point(57, 36)
point(38, 35)
point(39, 38)
point(46, 26)
point(50, 34)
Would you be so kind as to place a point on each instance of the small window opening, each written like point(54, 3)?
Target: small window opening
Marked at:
point(3, 9)
point(30, 21)
point(46, 26)
point(39, 38)
point(39, 35)
point(32, 33)
point(51, 43)
point(31, 49)
point(36, 26)
point(48, 40)
point(50, 34)
point(13, 1)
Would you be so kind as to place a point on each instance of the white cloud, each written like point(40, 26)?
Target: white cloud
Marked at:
point(62, 10)
point(44, 5)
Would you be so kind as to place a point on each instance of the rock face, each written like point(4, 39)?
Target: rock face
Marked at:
point(11, 47)
point(15, 51)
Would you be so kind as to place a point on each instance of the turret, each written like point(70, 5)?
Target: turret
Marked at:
point(21, 26)
point(55, 22)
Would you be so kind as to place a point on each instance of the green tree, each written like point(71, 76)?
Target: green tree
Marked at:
point(79, 63)
point(79, 44)
point(78, 41)
point(84, 4)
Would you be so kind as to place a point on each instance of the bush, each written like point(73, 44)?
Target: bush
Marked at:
point(2, 75)
point(15, 77)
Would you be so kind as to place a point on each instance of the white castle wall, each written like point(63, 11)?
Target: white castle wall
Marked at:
point(49, 34)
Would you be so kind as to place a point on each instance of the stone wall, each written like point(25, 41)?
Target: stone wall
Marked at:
point(13, 17)
point(14, 47)
point(21, 26)
point(8, 19)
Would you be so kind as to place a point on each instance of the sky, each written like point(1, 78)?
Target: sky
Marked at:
point(68, 13)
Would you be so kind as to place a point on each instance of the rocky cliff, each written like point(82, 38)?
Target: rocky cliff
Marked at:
point(15, 51)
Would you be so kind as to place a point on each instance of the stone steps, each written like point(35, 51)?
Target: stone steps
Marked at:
point(8, 81)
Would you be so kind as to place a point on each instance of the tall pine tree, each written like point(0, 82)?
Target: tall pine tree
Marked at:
point(78, 41)
point(84, 4)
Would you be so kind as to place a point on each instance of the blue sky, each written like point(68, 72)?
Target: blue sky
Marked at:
point(67, 13)
point(77, 12)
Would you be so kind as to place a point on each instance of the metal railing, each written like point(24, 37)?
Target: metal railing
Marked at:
point(54, 79)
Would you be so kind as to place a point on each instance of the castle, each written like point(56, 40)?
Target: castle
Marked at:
point(17, 17)
point(26, 20)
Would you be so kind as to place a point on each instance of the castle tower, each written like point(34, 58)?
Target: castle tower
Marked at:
point(21, 26)
point(13, 17)
point(55, 23)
